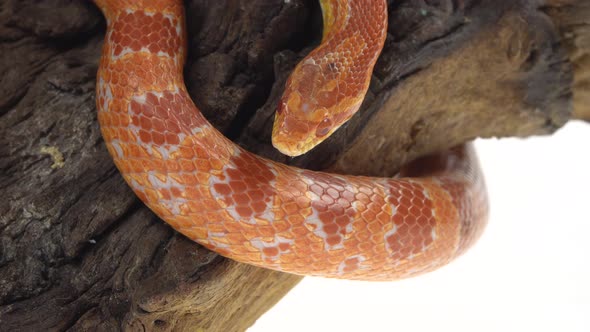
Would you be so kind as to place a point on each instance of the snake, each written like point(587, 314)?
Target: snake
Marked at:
point(265, 213)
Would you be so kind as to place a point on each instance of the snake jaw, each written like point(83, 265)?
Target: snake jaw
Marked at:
point(291, 136)
point(294, 136)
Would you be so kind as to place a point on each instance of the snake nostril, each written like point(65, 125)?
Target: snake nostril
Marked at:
point(280, 109)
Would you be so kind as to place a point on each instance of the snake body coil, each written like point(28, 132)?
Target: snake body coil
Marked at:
point(264, 213)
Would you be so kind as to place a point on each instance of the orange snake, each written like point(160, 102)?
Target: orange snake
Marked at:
point(265, 213)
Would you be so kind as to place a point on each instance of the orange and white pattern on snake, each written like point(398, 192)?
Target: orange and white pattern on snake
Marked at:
point(328, 86)
point(254, 210)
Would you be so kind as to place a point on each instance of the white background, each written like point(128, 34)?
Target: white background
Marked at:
point(529, 272)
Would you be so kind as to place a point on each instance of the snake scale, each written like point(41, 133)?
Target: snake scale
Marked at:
point(265, 213)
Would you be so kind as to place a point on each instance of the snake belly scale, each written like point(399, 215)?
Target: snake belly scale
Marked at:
point(265, 213)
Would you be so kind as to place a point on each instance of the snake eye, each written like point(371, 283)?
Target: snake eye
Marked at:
point(324, 127)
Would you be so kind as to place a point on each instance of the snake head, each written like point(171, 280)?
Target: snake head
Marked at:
point(295, 132)
point(313, 106)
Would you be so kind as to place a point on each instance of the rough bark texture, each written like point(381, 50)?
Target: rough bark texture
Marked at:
point(79, 252)
point(572, 19)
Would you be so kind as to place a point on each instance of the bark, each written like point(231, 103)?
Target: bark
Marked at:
point(572, 19)
point(79, 252)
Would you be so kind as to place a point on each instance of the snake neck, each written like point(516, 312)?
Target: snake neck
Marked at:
point(334, 15)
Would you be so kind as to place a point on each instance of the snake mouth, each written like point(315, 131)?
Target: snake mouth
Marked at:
point(293, 136)
point(288, 145)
